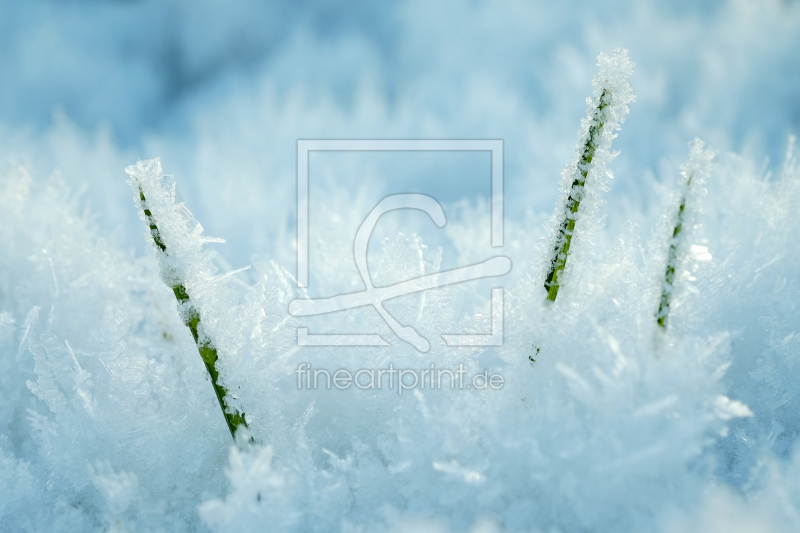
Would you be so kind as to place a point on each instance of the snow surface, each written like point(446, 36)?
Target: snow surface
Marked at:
point(107, 419)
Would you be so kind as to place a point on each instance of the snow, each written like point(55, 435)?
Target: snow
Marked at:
point(122, 416)
point(108, 421)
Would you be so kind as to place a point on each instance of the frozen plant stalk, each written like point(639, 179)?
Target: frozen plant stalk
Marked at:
point(177, 241)
point(694, 172)
point(582, 179)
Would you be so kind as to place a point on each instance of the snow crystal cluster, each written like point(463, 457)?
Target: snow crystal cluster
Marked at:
point(108, 422)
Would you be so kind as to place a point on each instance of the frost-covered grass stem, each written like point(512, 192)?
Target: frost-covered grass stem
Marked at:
point(584, 178)
point(695, 172)
point(208, 351)
point(561, 251)
point(672, 260)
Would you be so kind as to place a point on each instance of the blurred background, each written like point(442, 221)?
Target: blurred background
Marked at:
point(222, 91)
